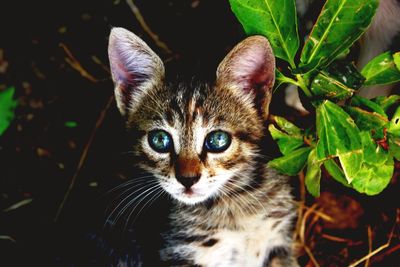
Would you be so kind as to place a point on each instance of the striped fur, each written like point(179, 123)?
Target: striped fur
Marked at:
point(239, 212)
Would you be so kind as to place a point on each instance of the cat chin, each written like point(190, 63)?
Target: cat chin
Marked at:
point(192, 199)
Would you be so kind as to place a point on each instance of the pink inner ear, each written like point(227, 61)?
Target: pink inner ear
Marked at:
point(253, 68)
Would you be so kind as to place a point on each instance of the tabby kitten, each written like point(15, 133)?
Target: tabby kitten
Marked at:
point(203, 145)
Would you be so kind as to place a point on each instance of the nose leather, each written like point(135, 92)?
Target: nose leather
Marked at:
point(187, 182)
point(187, 171)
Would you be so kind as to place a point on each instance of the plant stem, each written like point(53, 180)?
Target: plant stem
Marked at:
point(301, 83)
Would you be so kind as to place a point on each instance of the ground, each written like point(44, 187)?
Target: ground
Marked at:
point(65, 147)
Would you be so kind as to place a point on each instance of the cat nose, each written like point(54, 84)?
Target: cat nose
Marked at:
point(187, 171)
point(187, 182)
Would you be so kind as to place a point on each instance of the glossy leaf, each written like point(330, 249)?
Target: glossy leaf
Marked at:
point(292, 163)
point(373, 154)
point(339, 25)
point(346, 73)
point(363, 102)
point(394, 125)
point(313, 175)
point(385, 102)
point(336, 172)
point(381, 70)
point(394, 146)
point(7, 107)
point(366, 120)
point(339, 81)
point(338, 137)
point(372, 179)
point(287, 126)
point(396, 57)
point(277, 20)
point(285, 142)
point(326, 86)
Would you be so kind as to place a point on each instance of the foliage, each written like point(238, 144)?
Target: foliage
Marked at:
point(7, 107)
point(354, 139)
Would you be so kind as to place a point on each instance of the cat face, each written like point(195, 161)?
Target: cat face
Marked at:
point(199, 141)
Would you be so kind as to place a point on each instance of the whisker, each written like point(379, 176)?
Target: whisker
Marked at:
point(127, 205)
point(126, 183)
point(149, 203)
point(150, 184)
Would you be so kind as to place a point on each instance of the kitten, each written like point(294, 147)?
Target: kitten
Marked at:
point(203, 146)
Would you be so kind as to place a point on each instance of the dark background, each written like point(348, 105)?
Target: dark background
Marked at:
point(39, 153)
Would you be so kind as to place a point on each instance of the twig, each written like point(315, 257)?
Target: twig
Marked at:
point(340, 239)
point(302, 203)
point(311, 256)
point(369, 244)
point(101, 64)
point(146, 28)
point(75, 64)
point(376, 251)
point(369, 255)
point(387, 252)
point(82, 159)
point(303, 223)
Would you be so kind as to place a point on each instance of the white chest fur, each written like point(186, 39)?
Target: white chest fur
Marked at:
point(248, 246)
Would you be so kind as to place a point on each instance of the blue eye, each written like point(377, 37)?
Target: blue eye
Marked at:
point(217, 141)
point(160, 141)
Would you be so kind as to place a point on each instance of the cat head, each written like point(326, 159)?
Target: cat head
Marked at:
point(199, 141)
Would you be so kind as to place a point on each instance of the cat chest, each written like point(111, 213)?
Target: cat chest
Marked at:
point(249, 246)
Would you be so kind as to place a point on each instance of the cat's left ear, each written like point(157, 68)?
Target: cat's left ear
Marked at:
point(250, 68)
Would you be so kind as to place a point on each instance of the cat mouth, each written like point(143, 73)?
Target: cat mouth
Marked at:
point(188, 191)
point(191, 196)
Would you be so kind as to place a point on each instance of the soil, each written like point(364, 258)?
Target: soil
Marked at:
point(68, 142)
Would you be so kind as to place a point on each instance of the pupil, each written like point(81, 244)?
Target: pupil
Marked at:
point(161, 140)
point(220, 140)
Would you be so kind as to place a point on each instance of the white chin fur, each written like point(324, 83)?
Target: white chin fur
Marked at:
point(201, 191)
point(191, 199)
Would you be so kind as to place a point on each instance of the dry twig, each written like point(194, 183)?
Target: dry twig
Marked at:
point(75, 64)
point(146, 28)
point(82, 159)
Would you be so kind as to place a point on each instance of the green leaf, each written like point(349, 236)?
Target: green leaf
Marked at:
point(336, 172)
point(339, 81)
point(313, 175)
point(339, 137)
point(328, 87)
point(346, 73)
point(7, 107)
point(366, 120)
point(385, 102)
point(381, 70)
point(396, 57)
point(373, 153)
point(285, 142)
point(394, 124)
point(71, 124)
point(292, 163)
point(277, 20)
point(376, 170)
point(372, 179)
point(339, 25)
point(287, 126)
point(394, 146)
point(359, 101)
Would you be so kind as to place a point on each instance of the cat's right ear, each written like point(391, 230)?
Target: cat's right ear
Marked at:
point(135, 68)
